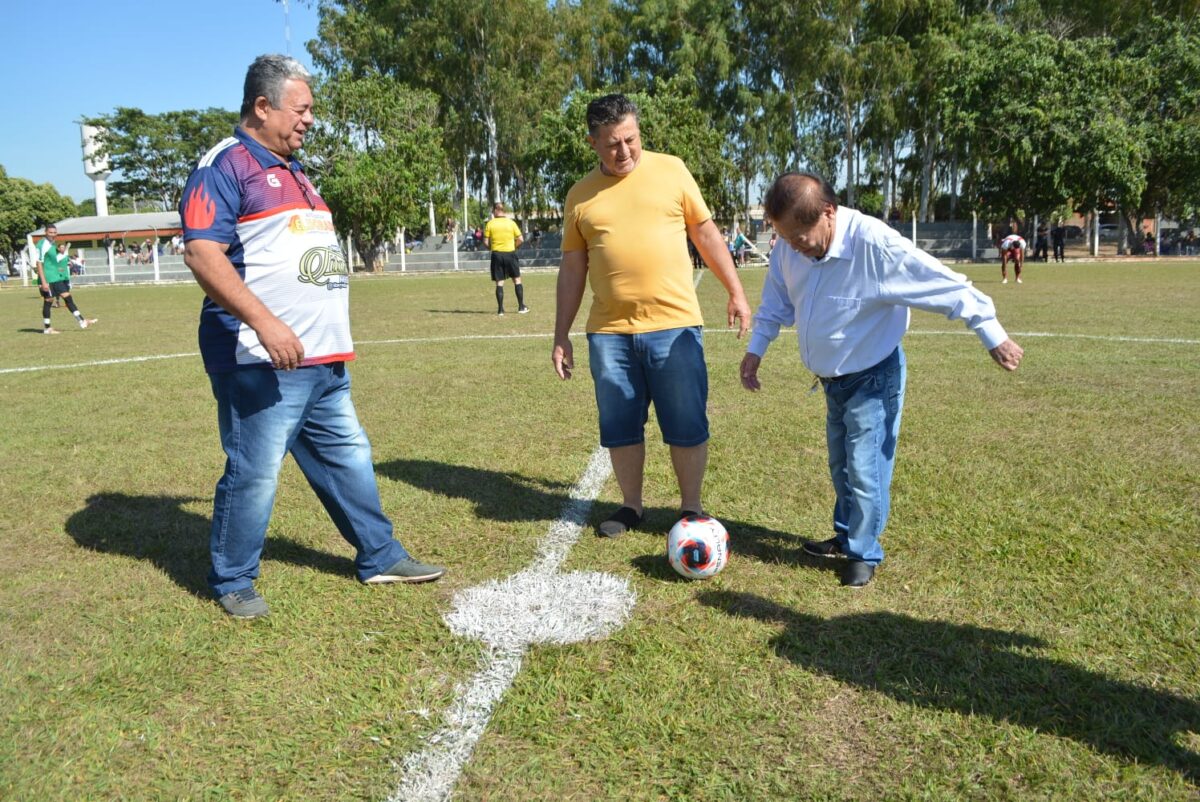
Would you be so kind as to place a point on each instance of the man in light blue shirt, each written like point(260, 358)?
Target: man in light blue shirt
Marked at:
point(847, 282)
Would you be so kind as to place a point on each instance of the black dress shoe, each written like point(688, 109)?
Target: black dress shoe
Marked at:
point(823, 548)
point(857, 574)
point(620, 522)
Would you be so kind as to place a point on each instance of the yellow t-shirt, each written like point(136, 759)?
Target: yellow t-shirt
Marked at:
point(634, 229)
point(501, 234)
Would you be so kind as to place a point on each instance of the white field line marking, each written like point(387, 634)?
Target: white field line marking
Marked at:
point(430, 775)
point(469, 337)
point(1112, 338)
point(97, 363)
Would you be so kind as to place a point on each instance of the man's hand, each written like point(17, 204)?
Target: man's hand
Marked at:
point(1007, 354)
point(738, 309)
point(217, 277)
point(749, 372)
point(281, 344)
point(563, 357)
point(711, 245)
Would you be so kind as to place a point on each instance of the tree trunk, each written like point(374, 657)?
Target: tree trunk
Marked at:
point(493, 151)
point(370, 253)
point(954, 185)
point(851, 146)
point(929, 141)
point(746, 196)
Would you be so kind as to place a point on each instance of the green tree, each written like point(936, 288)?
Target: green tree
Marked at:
point(493, 65)
point(151, 155)
point(1165, 97)
point(376, 156)
point(26, 207)
point(1047, 119)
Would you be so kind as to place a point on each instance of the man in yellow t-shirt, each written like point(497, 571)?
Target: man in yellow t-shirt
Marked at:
point(502, 236)
point(625, 233)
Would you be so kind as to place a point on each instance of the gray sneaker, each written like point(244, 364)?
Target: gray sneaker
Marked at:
point(244, 603)
point(407, 570)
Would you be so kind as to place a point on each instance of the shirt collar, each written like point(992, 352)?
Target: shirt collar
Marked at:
point(839, 246)
point(264, 157)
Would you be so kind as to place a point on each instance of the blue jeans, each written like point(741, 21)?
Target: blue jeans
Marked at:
point(667, 367)
point(262, 414)
point(862, 424)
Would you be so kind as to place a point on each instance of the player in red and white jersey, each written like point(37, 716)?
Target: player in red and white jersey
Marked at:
point(1012, 247)
point(275, 339)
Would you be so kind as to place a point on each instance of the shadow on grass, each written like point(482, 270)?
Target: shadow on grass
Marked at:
point(160, 530)
point(497, 495)
point(458, 312)
point(981, 672)
point(507, 496)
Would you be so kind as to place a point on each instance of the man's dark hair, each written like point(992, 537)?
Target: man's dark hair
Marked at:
point(801, 195)
point(608, 110)
point(266, 78)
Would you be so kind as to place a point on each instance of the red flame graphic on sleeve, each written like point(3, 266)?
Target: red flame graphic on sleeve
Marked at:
point(200, 210)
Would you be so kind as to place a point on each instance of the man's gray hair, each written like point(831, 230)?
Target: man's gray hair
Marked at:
point(608, 110)
point(266, 78)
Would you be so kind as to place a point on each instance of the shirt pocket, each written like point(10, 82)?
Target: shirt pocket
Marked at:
point(834, 316)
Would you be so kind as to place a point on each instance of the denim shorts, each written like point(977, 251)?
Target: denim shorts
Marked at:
point(666, 367)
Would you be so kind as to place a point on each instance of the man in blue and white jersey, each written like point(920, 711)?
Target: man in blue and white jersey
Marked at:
point(275, 340)
point(847, 282)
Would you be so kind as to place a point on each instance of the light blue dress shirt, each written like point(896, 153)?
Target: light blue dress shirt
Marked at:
point(852, 306)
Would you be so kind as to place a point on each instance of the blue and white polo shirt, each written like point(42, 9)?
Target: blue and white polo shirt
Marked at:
point(281, 242)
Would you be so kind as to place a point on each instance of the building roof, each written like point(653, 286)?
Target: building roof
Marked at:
point(143, 224)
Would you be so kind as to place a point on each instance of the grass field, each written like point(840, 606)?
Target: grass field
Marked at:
point(1032, 634)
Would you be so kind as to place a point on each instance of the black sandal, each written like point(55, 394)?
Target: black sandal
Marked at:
point(620, 522)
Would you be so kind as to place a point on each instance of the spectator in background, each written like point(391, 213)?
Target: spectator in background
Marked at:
point(740, 249)
point(1058, 236)
point(1040, 250)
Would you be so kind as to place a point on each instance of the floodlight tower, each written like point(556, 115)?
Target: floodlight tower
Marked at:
point(95, 167)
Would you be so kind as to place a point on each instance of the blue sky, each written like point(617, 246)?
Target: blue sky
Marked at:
point(156, 56)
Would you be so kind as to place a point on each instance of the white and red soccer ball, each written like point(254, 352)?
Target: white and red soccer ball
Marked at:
point(698, 547)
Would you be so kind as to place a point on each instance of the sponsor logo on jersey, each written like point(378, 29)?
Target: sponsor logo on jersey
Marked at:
point(273, 181)
point(322, 266)
point(305, 224)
